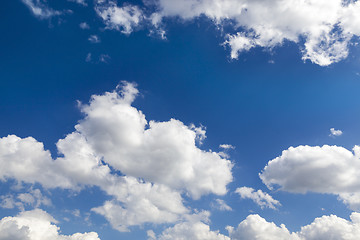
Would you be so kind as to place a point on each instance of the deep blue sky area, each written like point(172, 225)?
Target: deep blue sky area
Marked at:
point(262, 103)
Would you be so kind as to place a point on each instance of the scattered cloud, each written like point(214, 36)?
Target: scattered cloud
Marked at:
point(124, 18)
point(226, 146)
point(335, 133)
point(40, 9)
point(84, 25)
point(259, 197)
point(104, 58)
point(88, 57)
point(36, 225)
point(94, 39)
point(81, 2)
point(221, 205)
point(326, 169)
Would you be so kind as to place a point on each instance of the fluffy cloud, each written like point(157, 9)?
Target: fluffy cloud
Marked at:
point(221, 205)
point(94, 39)
point(158, 161)
point(322, 228)
point(335, 133)
point(40, 9)
point(195, 227)
point(33, 198)
point(36, 225)
point(326, 169)
point(259, 197)
point(123, 18)
point(161, 152)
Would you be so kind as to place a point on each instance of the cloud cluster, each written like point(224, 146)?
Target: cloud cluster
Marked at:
point(323, 28)
point(335, 133)
point(259, 197)
point(145, 166)
point(326, 169)
point(36, 225)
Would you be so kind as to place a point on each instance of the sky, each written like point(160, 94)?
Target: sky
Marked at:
point(179, 119)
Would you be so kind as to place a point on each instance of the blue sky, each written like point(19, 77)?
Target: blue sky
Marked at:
point(179, 119)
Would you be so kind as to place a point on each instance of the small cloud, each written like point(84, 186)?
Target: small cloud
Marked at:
point(226, 146)
point(104, 58)
point(335, 133)
point(40, 9)
point(221, 205)
point(259, 197)
point(81, 2)
point(84, 25)
point(94, 39)
point(271, 61)
point(88, 57)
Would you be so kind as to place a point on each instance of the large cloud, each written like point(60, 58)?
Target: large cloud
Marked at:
point(323, 28)
point(322, 228)
point(326, 169)
point(157, 162)
point(36, 225)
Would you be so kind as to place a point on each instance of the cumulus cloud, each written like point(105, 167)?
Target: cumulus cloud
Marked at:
point(36, 225)
point(195, 228)
point(326, 169)
point(259, 197)
point(158, 161)
point(322, 228)
point(335, 133)
point(124, 18)
point(41, 9)
point(81, 2)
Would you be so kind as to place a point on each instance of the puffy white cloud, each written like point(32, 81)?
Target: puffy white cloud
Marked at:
point(124, 18)
point(40, 9)
point(161, 152)
point(255, 227)
point(158, 162)
point(36, 225)
point(335, 133)
point(322, 228)
point(195, 227)
point(226, 146)
point(326, 169)
point(259, 197)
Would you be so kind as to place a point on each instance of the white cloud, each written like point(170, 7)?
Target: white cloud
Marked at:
point(195, 228)
point(259, 197)
point(226, 146)
point(255, 227)
point(84, 25)
point(324, 27)
point(221, 205)
point(124, 18)
point(88, 57)
point(40, 9)
point(326, 169)
point(335, 133)
point(94, 39)
point(33, 198)
point(322, 228)
point(81, 2)
point(167, 148)
point(160, 161)
point(36, 225)
point(104, 58)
